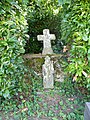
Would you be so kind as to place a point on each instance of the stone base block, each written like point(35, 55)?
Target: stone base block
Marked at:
point(87, 111)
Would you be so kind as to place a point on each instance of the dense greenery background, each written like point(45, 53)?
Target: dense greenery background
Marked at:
point(75, 28)
point(13, 29)
point(22, 20)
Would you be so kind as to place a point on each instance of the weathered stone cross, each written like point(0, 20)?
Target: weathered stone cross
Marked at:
point(46, 38)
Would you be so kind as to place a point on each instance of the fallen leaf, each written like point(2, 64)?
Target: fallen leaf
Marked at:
point(75, 78)
point(65, 48)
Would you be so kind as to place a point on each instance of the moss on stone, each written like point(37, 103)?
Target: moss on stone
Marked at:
point(35, 63)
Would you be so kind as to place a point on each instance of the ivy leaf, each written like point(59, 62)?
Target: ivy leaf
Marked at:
point(21, 97)
point(22, 50)
point(25, 1)
point(89, 51)
point(6, 94)
point(89, 57)
point(9, 1)
point(3, 43)
point(89, 41)
point(60, 2)
point(85, 37)
point(64, 1)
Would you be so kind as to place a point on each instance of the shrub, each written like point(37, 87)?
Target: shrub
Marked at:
point(76, 32)
point(13, 29)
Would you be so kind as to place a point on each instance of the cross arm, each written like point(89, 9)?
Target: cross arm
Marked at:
point(40, 37)
point(52, 37)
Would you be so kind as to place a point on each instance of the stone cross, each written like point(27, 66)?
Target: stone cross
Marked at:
point(46, 38)
point(48, 73)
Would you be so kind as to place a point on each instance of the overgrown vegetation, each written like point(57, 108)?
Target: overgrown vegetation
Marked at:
point(13, 29)
point(76, 33)
point(63, 102)
point(19, 87)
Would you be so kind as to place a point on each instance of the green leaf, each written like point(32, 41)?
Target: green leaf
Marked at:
point(54, 118)
point(89, 57)
point(89, 50)
point(61, 103)
point(61, 2)
point(88, 86)
point(22, 50)
point(9, 1)
point(25, 1)
point(89, 41)
point(82, 47)
point(21, 97)
point(6, 94)
point(85, 37)
point(3, 43)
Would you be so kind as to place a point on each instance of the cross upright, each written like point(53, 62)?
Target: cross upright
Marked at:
point(46, 38)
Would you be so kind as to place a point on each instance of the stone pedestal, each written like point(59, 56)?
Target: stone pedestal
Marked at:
point(87, 111)
point(35, 61)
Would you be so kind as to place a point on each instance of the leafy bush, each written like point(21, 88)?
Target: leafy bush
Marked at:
point(13, 29)
point(76, 33)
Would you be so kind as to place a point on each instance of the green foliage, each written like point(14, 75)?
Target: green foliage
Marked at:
point(62, 2)
point(13, 28)
point(76, 33)
point(63, 102)
point(43, 14)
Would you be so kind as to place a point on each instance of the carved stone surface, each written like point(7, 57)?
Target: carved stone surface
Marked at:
point(36, 61)
point(59, 74)
point(48, 73)
point(87, 111)
point(46, 38)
